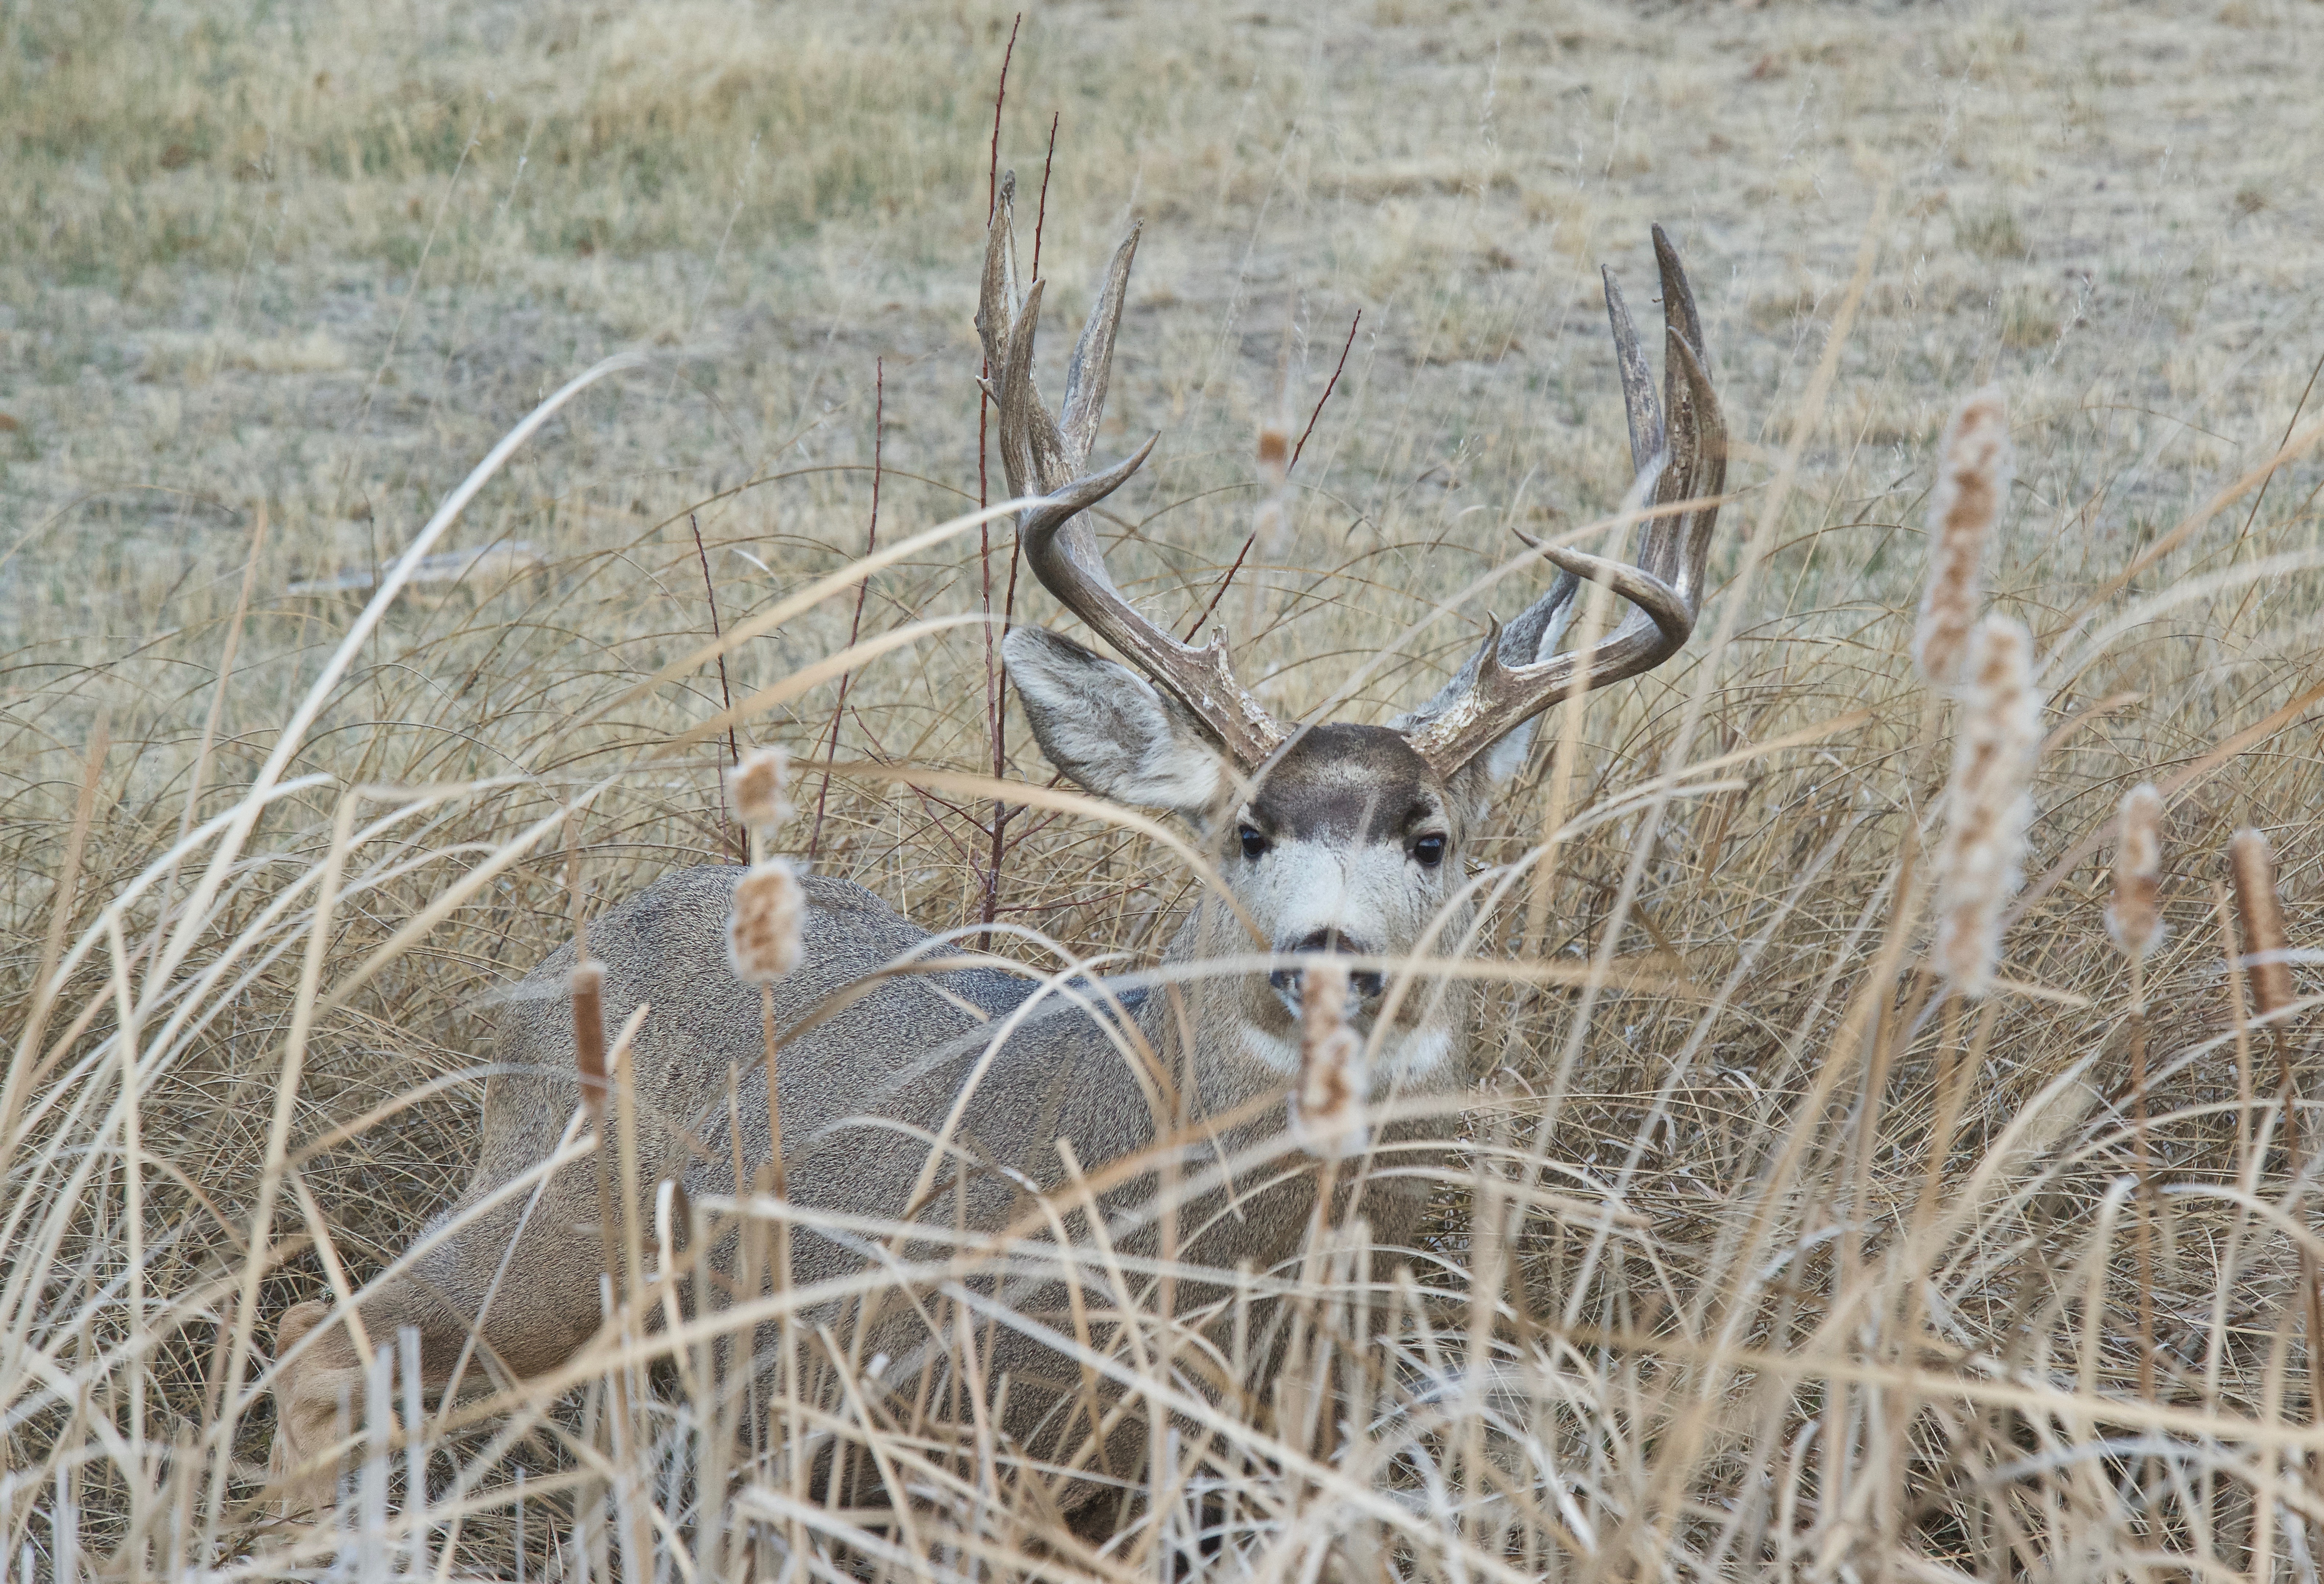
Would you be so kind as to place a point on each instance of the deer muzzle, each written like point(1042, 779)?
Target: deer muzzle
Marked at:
point(1365, 986)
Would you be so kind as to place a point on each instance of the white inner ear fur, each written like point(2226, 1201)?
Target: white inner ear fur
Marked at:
point(1476, 784)
point(1505, 758)
point(1107, 728)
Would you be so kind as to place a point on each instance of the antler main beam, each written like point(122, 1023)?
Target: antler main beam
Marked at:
point(1678, 449)
point(1046, 455)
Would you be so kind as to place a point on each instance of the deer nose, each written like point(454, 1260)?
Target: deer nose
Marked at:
point(1366, 983)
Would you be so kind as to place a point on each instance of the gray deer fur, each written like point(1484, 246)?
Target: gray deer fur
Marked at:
point(1329, 836)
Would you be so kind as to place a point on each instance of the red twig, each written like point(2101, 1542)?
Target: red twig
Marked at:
point(1219, 593)
point(939, 826)
point(1326, 396)
point(1002, 812)
point(1042, 213)
point(983, 494)
point(1089, 902)
point(855, 625)
point(1008, 607)
point(984, 530)
point(992, 171)
point(726, 694)
point(1035, 825)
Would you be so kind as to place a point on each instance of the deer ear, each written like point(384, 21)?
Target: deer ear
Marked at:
point(1477, 783)
point(1109, 730)
point(1506, 757)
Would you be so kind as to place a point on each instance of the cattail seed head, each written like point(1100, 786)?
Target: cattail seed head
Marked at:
point(2259, 914)
point(1327, 1106)
point(1273, 454)
point(1972, 483)
point(589, 983)
point(762, 933)
point(1987, 803)
point(757, 785)
point(1271, 524)
point(2134, 918)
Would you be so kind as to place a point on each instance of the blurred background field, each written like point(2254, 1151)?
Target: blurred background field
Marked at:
point(304, 265)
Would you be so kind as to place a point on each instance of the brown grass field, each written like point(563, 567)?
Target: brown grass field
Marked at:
point(1789, 1266)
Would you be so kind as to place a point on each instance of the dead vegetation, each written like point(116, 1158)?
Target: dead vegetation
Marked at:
point(1785, 1268)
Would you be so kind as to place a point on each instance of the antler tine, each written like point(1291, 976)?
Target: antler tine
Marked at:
point(1061, 546)
point(1202, 679)
point(1686, 462)
point(1661, 538)
point(1638, 381)
point(1656, 603)
point(1044, 453)
point(1093, 360)
point(1678, 296)
point(1688, 535)
point(1029, 441)
point(996, 293)
point(1540, 624)
point(1696, 432)
point(996, 313)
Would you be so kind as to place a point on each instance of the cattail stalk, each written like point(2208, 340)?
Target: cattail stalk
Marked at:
point(1972, 483)
point(763, 942)
point(1986, 810)
point(589, 984)
point(2238, 1019)
point(1988, 805)
point(2259, 914)
point(1956, 1071)
point(1327, 1105)
point(1271, 522)
point(762, 945)
point(2259, 917)
point(2134, 921)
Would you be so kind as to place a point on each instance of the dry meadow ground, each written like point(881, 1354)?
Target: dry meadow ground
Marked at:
point(1716, 1292)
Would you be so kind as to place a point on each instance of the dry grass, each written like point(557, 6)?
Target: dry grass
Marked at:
point(1789, 1274)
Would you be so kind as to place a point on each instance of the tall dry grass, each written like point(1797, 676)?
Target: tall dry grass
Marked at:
point(1784, 1272)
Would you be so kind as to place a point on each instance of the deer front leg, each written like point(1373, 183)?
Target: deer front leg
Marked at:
point(319, 1394)
point(533, 1318)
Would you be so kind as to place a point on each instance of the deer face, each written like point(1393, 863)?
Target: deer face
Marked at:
point(1351, 842)
point(1346, 841)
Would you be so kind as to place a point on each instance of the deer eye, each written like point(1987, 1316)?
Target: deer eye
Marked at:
point(1254, 845)
point(1429, 850)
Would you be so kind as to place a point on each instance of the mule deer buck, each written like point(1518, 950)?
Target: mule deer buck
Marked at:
point(1331, 837)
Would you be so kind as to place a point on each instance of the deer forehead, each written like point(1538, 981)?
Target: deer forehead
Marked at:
point(1346, 785)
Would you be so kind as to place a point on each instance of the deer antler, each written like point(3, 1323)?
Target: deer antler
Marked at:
point(1046, 455)
point(1679, 450)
